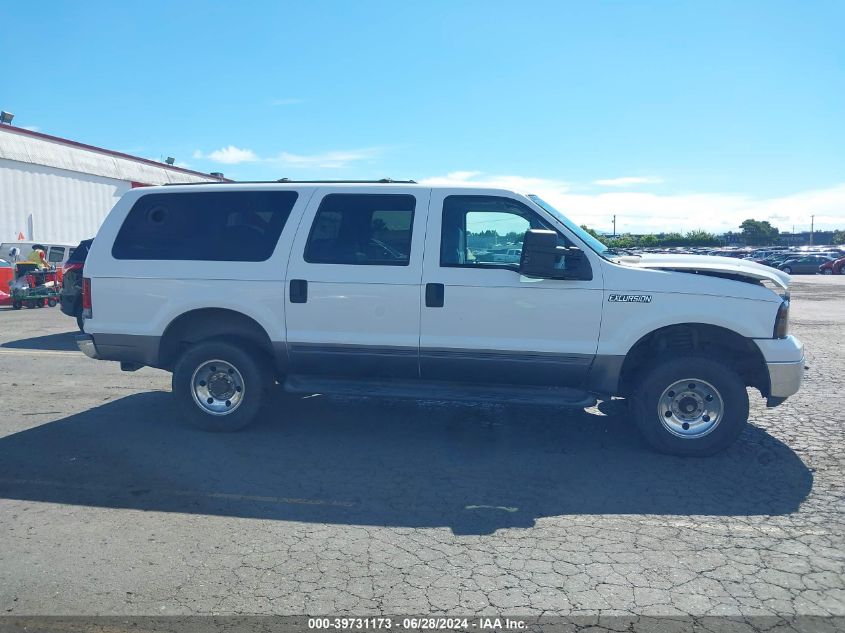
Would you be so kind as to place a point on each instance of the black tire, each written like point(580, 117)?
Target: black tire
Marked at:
point(255, 373)
point(51, 302)
point(726, 382)
point(80, 322)
point(787, 270)
point(17, 305)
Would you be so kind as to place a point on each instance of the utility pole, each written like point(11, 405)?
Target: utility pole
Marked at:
point(812, 225)
point(614, 225)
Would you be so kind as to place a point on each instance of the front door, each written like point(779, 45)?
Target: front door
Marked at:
point(484, 322)
point(353, 299)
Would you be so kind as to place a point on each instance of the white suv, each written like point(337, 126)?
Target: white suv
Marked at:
point(374, 288)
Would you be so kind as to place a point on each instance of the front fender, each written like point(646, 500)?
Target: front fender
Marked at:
point(625, 323)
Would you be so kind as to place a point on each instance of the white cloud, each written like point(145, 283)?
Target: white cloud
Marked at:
point(229, 155)
point(516, 183)
point(326, 160)
point(232, 155)
point(719, 212)
point(286, 101)
point(628, 180)
point(333, 159)
point(461, 176)
point(639, 212)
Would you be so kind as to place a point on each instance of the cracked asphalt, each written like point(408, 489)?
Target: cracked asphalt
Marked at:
point(355, 506)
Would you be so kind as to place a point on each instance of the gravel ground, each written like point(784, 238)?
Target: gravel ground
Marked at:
point(356, 506)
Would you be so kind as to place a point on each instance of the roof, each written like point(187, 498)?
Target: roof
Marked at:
point(356, 186)
point(26, 146)
point(288, 181)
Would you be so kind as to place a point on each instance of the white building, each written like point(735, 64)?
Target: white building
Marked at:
point(56, 190)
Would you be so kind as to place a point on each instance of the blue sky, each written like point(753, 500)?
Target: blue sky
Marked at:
point(673, 115)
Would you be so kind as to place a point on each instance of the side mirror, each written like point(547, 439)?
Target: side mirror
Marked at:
point(544, 259)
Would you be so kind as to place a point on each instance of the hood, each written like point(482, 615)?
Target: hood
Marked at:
point(709, 264)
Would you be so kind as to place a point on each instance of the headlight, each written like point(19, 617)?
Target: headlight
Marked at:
point(782, 320)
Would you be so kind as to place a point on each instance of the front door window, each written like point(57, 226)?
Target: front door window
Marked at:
point(485, 231)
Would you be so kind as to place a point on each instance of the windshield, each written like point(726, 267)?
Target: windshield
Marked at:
point(592, 242)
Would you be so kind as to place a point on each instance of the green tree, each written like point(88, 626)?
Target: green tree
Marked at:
point(671, 239)
point(601, 238)
point(700, 238)
point(648, 241)
point(759, 233)
point(839, 237)
point(623, 241)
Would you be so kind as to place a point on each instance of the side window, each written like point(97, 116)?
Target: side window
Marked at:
point(231, 226)
point(57, 254)
point(485, 231)
point(363, 229)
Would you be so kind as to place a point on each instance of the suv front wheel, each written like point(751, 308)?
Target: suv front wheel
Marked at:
point(690, 406)
point(220, 386)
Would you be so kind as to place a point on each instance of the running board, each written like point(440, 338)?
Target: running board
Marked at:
point(441, 390)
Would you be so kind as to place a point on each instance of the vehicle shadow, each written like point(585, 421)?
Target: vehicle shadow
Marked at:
point(62, 342)
point(358, 461)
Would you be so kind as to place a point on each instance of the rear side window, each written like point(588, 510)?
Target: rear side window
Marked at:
point(364, 229)
point(229, 226)
point(57, 254)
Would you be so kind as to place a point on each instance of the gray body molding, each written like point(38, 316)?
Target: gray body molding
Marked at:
point(598, 374)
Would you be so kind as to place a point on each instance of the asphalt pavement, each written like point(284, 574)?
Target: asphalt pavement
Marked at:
point(109, 505)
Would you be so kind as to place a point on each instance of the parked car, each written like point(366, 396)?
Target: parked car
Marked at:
point(833, 267)
point(806, 265)
point(7, 274)
point(507, 256)
point(57, 253)
point(774, 261)
point(778, 258)
point(70, 298)
point(232, 287)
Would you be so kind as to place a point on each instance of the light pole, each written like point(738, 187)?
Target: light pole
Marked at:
point(812, 225)
point(614, 225)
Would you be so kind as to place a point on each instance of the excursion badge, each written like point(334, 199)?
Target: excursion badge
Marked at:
point(629, 298)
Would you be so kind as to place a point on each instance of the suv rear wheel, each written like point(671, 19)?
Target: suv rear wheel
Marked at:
point(691, 406)
point(220, 386)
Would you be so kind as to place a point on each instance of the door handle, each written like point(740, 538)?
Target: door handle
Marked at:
point(434, 295)
point(298, 291)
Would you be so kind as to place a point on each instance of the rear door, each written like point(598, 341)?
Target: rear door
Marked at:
point(353, 283)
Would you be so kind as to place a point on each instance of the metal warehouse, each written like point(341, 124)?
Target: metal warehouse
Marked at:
point(56, 190)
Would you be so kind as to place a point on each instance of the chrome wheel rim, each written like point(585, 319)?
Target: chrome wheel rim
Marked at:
point(690, 408)
point(217, 387)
